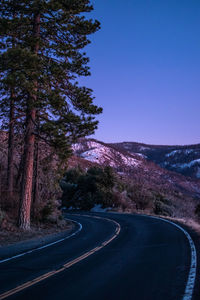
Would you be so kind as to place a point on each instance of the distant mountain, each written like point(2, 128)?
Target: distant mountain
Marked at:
point(181, 159)
point(145, 164)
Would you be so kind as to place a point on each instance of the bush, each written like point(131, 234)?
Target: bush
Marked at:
point(46, 211)
point(2, 216)
point(83, 190)
point(142, 197)
point(162, 206)
point(197, 211)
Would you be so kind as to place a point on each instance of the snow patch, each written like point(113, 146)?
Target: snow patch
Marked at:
point(187, 165)
point(85, 145)
point(77, 147)
point(188, 151)
point(140, 154)
point(91, 155)
point(143, 148)
point(93, 144)
point(174, 152)
point(98, 208)
point(101, 154)
point(198, 173)
point(127, 146)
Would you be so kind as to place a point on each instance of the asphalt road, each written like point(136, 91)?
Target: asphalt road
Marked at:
point(149, 259)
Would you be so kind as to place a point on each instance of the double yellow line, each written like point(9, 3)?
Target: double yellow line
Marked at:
point(65, 266)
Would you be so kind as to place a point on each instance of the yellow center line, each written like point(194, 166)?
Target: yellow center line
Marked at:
point(65, 266)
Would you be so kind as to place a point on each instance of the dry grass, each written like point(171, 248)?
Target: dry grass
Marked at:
point(193, 224)
point(10, 237)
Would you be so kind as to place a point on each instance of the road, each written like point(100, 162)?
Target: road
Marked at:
point(114, 256)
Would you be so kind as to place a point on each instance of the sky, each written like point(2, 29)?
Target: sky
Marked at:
point(145, 65)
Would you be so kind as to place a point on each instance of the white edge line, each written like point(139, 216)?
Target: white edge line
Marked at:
point(193, 265)
point(45, 246)
point(70, 263)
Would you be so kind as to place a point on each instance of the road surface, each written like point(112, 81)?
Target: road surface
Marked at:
point(111, 256)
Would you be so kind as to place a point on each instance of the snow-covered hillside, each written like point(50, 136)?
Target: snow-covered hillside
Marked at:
point(100, 153)
point(181, 159)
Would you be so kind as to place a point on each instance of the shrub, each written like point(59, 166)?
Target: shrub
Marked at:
point(2, 215)
point(162, 206)
point(141, 196)
point(197, 211)
point(83, 190)
point(46, 211)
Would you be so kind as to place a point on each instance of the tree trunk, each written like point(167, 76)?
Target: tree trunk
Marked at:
point(28, 158)
point(10, 168)
point(27, 176)
point(35, 187)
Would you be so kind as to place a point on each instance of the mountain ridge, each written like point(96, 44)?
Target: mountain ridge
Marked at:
point(180, 159)
point(133, 164)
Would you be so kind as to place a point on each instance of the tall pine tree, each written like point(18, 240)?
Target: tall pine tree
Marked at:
point(50, 37)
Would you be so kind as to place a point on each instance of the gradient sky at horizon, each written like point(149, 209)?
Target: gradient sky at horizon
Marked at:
point(145, 64)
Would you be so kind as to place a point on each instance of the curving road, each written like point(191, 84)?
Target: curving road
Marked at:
point(114, 256)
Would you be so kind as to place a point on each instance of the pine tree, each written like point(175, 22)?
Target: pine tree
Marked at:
point(10, 168)
point(50, 37)
point(10, 125)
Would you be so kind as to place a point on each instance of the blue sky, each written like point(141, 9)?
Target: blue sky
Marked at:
point(145, 64)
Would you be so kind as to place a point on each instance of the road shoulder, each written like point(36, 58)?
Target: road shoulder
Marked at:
point(36, 242)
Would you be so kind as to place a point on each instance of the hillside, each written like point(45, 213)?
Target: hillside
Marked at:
point(181, 159)
point(136, 164)
point(135, 168)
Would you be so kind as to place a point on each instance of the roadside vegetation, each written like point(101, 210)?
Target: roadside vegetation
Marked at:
point(84, 190)
point(103, 187)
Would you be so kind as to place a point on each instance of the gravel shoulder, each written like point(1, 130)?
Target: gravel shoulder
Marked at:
point(21, 242)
